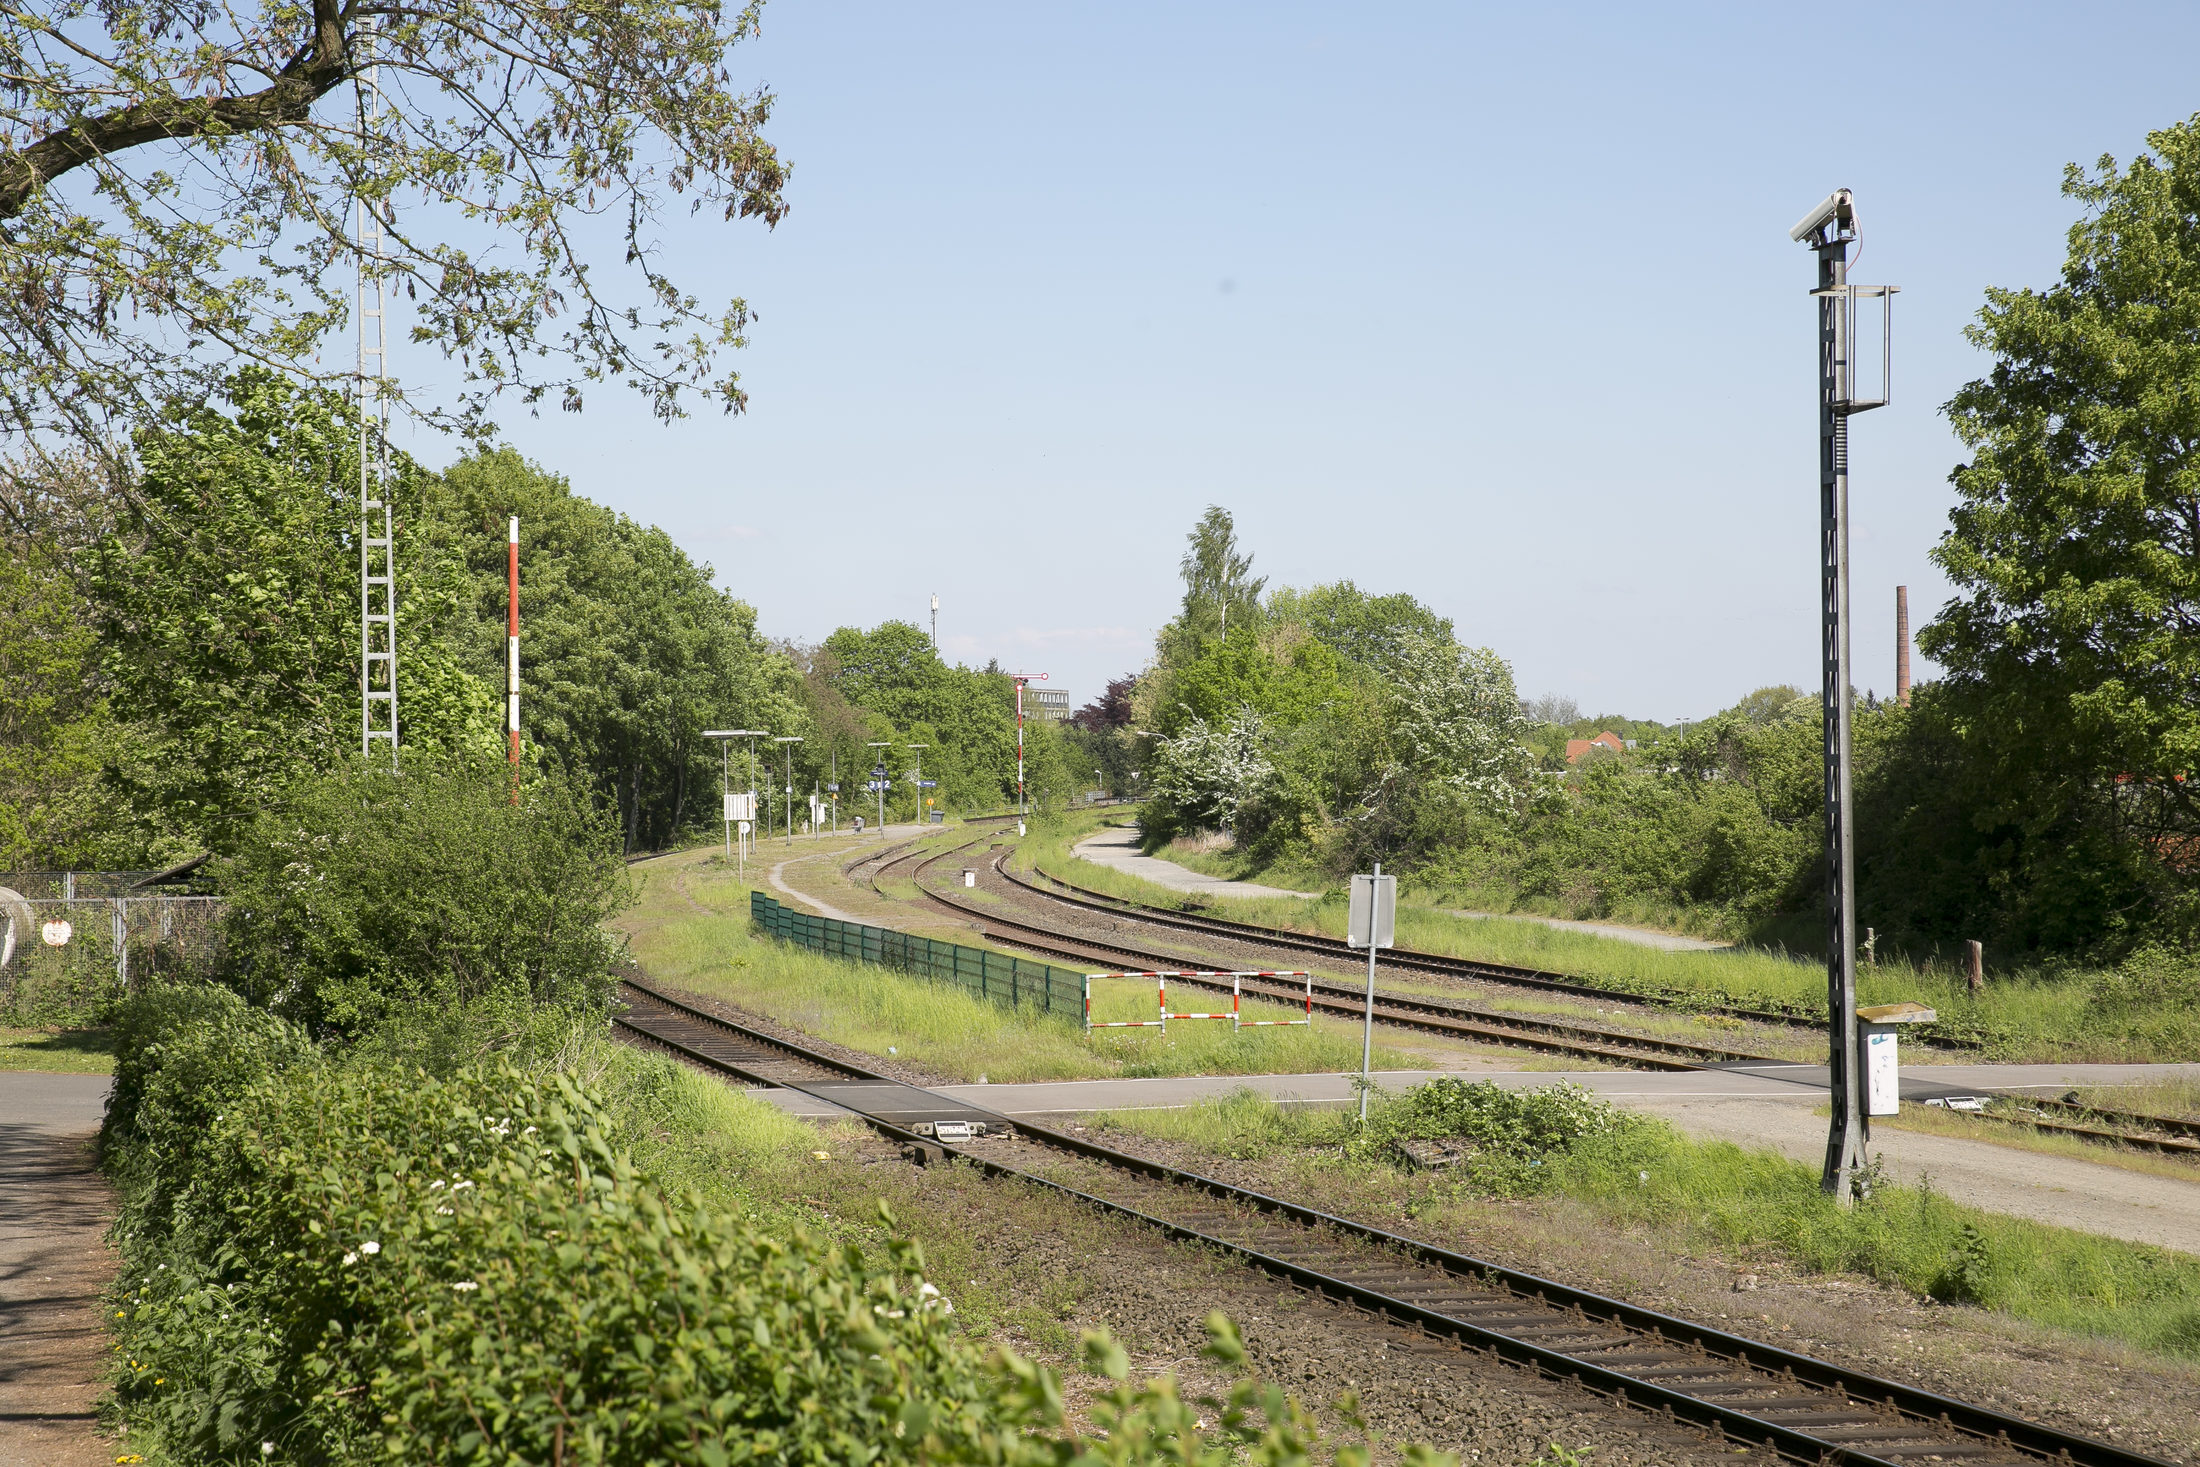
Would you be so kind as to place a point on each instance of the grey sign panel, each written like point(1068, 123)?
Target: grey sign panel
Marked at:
point(1373, 920)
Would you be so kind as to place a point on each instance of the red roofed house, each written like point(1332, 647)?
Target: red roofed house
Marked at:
point(1575, 748)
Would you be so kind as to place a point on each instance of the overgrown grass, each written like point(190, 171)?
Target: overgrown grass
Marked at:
point(1936, 1121)
point(63, 1051)
point(2030, 1014)
point(2177, 1099)
point(1645, 1175)
point(690, 928)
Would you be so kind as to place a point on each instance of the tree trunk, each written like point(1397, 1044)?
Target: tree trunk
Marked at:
point(633, 805)
point(679, 785)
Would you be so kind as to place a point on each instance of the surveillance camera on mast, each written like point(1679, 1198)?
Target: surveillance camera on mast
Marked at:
point(1839, 209)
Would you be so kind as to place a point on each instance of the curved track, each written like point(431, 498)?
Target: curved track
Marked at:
point(1458, 1020)
point(1071, 894)
point(1744, 1391)
point(1463, 1020)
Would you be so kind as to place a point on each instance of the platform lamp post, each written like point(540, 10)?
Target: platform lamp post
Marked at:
point(1020, 679)
point(879, 785)
point(917, 761)
point(725, 773)
point(787, 742)
point(1829, 230)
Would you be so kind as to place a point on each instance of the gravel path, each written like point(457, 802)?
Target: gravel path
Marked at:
point(54, 1209)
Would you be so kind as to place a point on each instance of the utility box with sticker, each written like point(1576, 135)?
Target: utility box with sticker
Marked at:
point(1876, 1028)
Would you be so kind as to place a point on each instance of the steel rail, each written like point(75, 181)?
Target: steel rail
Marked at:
point(1429, 1015)
point(1581, 1040)
point(2183, 1140)
point(1979, 1433)
point(1534, 978)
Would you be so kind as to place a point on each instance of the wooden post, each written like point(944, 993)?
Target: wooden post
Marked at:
point(1974, 954)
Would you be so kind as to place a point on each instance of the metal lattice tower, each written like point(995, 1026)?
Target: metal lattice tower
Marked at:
point(377, 541)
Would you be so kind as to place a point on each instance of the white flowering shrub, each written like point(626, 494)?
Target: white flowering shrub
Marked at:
point(1210, 772)
point(1456, 716)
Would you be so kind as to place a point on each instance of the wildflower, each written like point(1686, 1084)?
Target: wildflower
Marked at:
point(267, 1449)
point(465, 1286)
point(435, 1184)
point(370, 1247)
point(351, 1258)
point(460, 1186)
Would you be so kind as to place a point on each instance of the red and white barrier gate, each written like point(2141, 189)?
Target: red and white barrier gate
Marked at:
point(1161, 1000)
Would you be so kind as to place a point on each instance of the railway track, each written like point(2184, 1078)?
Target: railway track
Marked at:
point(1070, 894)
point(1743, 1391)
point(1467, 1021)
point(1430, 1015)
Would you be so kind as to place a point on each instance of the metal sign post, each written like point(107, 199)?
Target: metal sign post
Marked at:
point(734, 810)
point(1829, 230)
point(1372, 923)
point(788, 741)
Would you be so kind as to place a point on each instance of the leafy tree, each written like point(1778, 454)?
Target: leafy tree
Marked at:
point(1209, 772)
point(55, 727)
point(2073, 650)
point(1219, 585)
point(628, 652)
point(1456, 718)
point(177, 186)
point(966, 716)
point(226, 598)
point(1369, 630)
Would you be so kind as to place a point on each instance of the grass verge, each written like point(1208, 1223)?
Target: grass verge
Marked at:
point(61, 1051)
point(2028, 1015)
point(1645, 1176)
point(690, 928)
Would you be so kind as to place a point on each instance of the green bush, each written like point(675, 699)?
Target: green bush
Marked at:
point(370, 893)
point(182, 1057)
point(358, 1262)
point(1509, 1134)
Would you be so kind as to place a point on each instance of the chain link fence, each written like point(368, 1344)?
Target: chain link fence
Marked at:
point(1001, 977)
point(66, 956)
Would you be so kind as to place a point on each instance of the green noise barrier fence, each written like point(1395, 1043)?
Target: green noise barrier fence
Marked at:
point(1001, 977)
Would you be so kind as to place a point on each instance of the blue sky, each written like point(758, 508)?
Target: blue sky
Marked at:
point(1492, 305)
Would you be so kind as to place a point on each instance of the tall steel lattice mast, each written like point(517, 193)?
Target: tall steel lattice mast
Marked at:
point(377, 540)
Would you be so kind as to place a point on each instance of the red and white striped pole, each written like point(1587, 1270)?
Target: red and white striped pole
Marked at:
point(511, 644)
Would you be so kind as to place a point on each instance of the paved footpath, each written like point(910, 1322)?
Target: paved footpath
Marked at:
point(1772, 1108)
point(1117, 848)
point(54, 1208)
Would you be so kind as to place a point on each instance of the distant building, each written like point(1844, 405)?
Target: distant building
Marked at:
point(1576, 749)
point(1048, 703)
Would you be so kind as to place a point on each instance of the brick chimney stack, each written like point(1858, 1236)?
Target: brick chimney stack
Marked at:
point(1902, 645)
